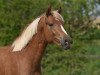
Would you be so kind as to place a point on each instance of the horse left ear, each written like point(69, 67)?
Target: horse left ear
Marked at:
point(59, 10)
point(48, 12)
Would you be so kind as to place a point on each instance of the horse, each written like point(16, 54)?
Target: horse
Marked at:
point(24, 56)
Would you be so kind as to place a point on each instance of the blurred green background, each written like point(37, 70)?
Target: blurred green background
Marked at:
point(84, 56)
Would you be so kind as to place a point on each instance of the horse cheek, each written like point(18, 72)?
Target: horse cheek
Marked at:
point(48, 36)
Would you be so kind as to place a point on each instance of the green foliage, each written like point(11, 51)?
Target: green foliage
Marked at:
point(81, 59)
point(90, 34)
point(64, 62)
point(77, 16)
point(16, 14)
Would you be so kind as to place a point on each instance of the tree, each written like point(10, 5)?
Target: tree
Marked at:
point(77, 13)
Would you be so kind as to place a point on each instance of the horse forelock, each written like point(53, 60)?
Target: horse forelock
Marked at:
point(57, 16)
point(26, 36)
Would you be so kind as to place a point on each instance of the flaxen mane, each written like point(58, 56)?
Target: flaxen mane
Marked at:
point(28, 33)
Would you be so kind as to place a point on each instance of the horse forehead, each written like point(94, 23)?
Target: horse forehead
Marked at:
point(51, 18)
point(57, 15)
point(54, 19)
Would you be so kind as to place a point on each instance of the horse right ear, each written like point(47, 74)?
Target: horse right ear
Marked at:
point(60, 10)
point(48, 12)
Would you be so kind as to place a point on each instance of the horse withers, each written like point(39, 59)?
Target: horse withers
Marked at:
point(25, 55)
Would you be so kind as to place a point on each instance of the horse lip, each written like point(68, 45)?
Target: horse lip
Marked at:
point(61, 43)
point(66, 47)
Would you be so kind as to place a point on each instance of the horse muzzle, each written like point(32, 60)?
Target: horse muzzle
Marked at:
point(66, 42)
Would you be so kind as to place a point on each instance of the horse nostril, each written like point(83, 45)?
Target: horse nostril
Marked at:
point(65, 40)
point(66, 43)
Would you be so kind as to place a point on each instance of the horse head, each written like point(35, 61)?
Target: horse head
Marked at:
point(53, 29)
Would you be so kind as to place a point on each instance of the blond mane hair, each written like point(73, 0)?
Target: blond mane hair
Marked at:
point(29, 32)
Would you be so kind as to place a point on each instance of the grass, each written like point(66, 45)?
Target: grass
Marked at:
point(92, 67)
point(80, 60)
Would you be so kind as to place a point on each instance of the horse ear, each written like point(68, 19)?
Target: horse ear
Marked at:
point(59, 10)
point(48, 12)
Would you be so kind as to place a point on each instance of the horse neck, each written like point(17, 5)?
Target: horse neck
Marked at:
point(35, 49)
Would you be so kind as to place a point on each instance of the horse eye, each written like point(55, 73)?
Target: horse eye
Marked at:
point(50, 24)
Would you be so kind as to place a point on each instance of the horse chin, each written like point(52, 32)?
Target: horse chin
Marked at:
point(57, 42)
point(66, 48)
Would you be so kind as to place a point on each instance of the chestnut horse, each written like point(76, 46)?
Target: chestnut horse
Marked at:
point(25, 55)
